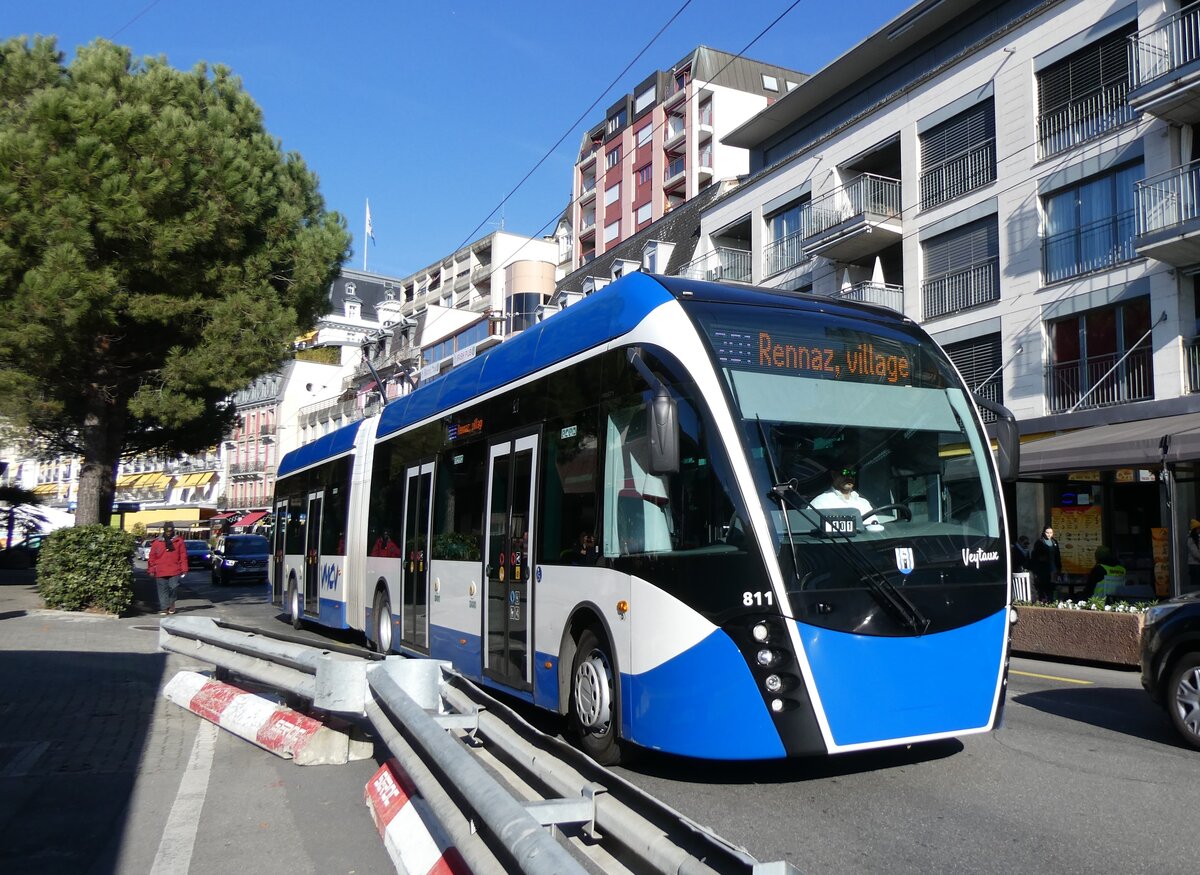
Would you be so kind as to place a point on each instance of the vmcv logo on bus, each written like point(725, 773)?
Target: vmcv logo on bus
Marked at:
point(329, 576)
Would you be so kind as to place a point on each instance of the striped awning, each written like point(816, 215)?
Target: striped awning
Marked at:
point(46, 489)
point(202, 478)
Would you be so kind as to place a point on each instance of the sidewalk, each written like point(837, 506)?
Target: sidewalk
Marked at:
point(84, 729)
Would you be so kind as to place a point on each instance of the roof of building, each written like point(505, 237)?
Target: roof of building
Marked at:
point(681, 227)
point(371, 289)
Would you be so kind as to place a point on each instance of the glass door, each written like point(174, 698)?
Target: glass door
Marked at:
point(278, 537)
point(508, 550)
point(312, 556)
point(418, 504)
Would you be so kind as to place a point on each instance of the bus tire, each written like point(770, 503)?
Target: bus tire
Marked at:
point(382, 621)
point(593, 714)
point(294, 610)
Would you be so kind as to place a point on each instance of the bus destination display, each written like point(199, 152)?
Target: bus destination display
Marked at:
point(862, 360)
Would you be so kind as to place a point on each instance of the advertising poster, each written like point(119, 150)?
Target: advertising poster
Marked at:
point(1159, 541)
point(1078, 531)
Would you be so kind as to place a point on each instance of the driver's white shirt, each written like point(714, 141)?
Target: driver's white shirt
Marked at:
point(834, 499)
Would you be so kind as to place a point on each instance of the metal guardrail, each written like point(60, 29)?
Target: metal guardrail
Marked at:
point(414, 705)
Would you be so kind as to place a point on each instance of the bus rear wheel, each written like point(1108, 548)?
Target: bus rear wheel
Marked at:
point(593, 700)
point(294, 610)
point(383, 623)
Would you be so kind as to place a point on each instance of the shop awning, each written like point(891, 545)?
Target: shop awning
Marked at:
point(126, 481)
point(250, 519)
point(46, 489)
point(222, 516)
point(200, 479)
point(1120, 445)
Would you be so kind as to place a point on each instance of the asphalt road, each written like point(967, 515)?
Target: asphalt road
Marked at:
point(1086, 775)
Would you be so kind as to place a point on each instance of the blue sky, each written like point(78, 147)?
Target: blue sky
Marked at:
point(436, 110)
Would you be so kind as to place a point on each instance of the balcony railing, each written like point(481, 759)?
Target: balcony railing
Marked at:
point(1168, 199)
point(720, 264)
point(961, 290)
point(784, 253)
point(704, 157)
point(958, 175)
point(674, 168)
point(248, 468)
point(327, 410)
point(1085, 119)
point(1164, 47)
point(1067, 382)
point(884, 294)
point(1095, 246)
point(481, 273)
point(868, 195)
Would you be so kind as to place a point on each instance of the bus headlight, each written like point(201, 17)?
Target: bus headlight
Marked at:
point(766, 656)
point(773, 683)
point(229, 563)
point(759, 632)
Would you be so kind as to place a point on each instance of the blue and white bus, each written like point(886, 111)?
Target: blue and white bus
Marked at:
point(622, 515)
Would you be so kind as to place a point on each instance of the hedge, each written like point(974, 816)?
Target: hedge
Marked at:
point(87, 567)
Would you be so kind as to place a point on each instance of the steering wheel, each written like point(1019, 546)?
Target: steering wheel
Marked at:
point(902, 511)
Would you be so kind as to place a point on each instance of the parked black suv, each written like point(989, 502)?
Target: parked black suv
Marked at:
point(240, 559)
point(1171, 662)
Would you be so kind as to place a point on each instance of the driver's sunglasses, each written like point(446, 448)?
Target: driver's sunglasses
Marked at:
point(849, 472)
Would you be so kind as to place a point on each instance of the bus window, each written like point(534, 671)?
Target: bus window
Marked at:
point(458, 502)
point(570, 471)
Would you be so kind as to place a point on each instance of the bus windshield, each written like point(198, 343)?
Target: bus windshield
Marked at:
point(864, 445)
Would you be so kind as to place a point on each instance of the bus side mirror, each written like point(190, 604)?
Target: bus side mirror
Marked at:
point(663, 416)
point(1008, 440)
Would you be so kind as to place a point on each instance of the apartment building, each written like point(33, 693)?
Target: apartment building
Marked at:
point(662, 144)
point(1019, 177)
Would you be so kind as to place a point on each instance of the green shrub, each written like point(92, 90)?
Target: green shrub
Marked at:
point(87, 567)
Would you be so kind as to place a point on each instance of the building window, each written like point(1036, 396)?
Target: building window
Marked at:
point(612, 230)
point(644, 99)
point(979, 361)
point(645, 174)
point(613, 157)
point(1083, 96)
point(612, 194)
point(353, 309)
point(962, 268)
point(770, 83)
point(615, 123)
point(1090, 226)
point(784, 233)
point(645, 133)
point(1100, 358)
point(705, 113)
point(645, 212)
point(958, 155)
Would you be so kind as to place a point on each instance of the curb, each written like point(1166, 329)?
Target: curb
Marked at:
point(411, 833)
point(281, 731)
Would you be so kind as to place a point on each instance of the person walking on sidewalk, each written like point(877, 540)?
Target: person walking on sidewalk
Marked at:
point(167, 564)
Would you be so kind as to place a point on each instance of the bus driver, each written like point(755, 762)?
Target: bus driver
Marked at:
point(841, 496)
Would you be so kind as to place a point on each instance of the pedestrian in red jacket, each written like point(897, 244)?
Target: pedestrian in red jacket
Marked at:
point(167, 564)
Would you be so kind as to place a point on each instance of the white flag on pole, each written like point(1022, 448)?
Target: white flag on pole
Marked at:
point(370, 229)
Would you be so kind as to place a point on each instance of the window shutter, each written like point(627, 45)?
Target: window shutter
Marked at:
point(962, 248)
point(960, 134)
point(1101, 65)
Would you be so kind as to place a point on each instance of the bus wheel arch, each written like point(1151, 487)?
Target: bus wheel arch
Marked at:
point(594, 683)
point(381, 618)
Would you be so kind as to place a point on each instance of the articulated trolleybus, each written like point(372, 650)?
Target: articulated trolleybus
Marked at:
point(636, 514)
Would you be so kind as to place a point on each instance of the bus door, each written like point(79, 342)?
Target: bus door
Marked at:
point(418, 515)
point(312, 555)
point(508, 553)
point(278, 548)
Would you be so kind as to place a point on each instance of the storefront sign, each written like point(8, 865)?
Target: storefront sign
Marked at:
point(1161, 545)
point(1085, 476)
point(1079, 533)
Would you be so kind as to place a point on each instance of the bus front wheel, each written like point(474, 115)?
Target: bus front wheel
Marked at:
point(593, 700)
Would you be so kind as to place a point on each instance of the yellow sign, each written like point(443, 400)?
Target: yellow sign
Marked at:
point(1124, 475)
point(1086, 476)
point(1079, 533)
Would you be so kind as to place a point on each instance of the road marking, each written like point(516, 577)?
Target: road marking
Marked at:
point(1048, 677)
point(174, 855)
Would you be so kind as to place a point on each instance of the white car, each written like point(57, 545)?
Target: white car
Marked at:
point(142, 551)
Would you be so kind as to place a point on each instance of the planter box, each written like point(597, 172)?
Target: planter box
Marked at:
point(1093, 636)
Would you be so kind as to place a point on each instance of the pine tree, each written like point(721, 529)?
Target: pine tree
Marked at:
point(158, 250)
